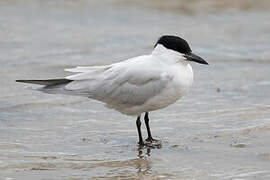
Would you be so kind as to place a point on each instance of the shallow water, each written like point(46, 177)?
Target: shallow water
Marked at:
point(220, 130)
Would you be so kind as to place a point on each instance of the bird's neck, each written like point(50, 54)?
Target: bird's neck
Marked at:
point(168, 55)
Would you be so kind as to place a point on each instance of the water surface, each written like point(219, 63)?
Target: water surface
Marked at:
point(220, 130)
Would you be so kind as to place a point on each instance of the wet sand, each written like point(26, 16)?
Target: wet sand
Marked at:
point(220, 130)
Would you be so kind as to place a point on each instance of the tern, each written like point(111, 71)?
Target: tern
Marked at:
point(134, 86)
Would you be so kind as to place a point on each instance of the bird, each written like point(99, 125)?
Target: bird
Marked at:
point(135, 86)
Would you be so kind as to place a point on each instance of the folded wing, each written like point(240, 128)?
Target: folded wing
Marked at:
point(128, 83)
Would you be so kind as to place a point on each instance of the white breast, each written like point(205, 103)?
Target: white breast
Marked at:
point(182, 79)
point(180, 73)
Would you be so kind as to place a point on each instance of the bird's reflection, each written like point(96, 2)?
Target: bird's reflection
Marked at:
point(148, 148)
point(140, 152)
point(144, 163)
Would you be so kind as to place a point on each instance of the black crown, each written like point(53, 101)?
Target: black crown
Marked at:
point(174, 43)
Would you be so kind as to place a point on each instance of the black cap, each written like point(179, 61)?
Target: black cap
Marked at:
point(174, 43)
point(178, 44)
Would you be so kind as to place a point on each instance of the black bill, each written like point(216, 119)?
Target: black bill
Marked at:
point(195, 58)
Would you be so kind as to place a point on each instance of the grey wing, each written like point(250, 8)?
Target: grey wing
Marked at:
point(134, 89)
point(127, 84)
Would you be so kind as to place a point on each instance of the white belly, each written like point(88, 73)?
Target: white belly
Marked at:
point(182, 81)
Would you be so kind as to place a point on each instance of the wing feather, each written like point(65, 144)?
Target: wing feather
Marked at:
point(84, 69)
point(128, 83)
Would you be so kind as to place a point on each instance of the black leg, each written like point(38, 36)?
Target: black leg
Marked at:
point(138, 123)
point(146, 120)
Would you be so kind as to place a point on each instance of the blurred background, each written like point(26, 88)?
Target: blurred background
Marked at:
point(220, 130)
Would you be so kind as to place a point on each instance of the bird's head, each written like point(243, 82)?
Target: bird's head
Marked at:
point(180, 45)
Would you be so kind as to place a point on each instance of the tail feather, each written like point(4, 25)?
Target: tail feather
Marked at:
point(47, 82)
point(54, 86)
